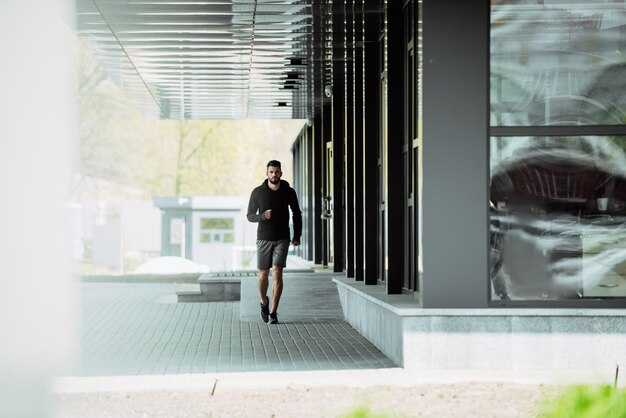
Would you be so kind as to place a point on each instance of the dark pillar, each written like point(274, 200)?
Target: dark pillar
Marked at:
point(371, 133)
point(317, 138)
point(327, 135)
point(349, 137)
point(338, 110)
point(394, 212)
point(317, 142)
point(358, 139)
point(309, 178)
point(455, 153)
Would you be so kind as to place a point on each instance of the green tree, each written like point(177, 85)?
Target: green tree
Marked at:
point(122, 155)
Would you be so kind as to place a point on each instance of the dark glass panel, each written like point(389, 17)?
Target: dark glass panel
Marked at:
point(558, 63)
point(558, 217)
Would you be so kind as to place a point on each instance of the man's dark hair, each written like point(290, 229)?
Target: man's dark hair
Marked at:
point(273, 163)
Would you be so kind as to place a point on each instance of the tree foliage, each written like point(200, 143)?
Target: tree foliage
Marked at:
point(121, 155)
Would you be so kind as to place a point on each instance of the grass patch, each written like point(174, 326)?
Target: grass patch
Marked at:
point(364, 412)
point(587, 401)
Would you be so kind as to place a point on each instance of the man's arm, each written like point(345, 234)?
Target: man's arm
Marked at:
point(253, 209)
point(297, 218)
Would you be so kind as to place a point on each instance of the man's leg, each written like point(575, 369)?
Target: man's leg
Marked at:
point(263, 263)
point(279, 261)
point(277, 287)
point(263, 285)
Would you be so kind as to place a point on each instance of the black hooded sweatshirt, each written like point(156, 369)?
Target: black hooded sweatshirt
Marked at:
point(277, 227)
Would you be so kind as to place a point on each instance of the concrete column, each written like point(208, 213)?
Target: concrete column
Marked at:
point(349, 136)
point(371, 138)
point(338, 111)
point(38, 297)
point(359, 138)
point(454, 213)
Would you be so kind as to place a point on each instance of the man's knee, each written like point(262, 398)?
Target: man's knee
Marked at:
point(277, 271)
point(264, 273)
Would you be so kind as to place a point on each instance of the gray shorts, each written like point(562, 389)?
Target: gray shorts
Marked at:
point(271, 253)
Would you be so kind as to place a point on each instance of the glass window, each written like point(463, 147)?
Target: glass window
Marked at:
point(216, 223)
point(558, 217)
point(557, 62)
point(217, 230)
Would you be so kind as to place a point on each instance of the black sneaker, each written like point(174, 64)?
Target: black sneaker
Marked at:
point(274, 318)
point(265, 312)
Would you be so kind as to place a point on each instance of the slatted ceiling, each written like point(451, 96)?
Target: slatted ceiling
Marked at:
point(205, 59)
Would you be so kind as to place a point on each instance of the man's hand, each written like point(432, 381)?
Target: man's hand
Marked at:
point(267, 214)
point(295, 242)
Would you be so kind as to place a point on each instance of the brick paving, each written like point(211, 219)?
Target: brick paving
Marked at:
point(140, 329)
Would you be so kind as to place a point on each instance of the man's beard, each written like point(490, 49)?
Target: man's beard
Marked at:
point(274, 181)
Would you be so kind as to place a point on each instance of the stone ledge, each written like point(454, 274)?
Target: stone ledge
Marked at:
point(214, 289)
point(484, 339)
point(406, 305)
point(401, 305)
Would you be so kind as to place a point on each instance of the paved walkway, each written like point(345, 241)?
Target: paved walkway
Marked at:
point(140, 329)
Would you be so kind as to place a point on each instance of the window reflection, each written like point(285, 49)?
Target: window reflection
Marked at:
point(556, 63)
point(558, 217)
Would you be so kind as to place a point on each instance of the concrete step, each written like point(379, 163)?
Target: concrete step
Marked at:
point(213, 288)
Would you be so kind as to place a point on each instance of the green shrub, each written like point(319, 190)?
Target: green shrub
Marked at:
point(587, 401)
point(364, 412)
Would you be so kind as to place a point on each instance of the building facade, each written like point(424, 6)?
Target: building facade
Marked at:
point(458, 153)
point(465, 176)
point(462, 168)
point(209, 230)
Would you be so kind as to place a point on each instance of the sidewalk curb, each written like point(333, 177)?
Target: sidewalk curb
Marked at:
point(316, 378)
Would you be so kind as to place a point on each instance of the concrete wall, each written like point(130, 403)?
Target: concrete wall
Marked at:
point(373, 321)
point(485, 339)
point(515, 340)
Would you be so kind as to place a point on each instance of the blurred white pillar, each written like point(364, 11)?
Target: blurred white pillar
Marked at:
point(37, 130)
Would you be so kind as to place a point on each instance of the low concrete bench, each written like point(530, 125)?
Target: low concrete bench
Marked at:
point(214, 288)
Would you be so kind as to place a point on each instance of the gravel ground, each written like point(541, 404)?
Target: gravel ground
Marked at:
point(464, 399)
point(452, 400)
